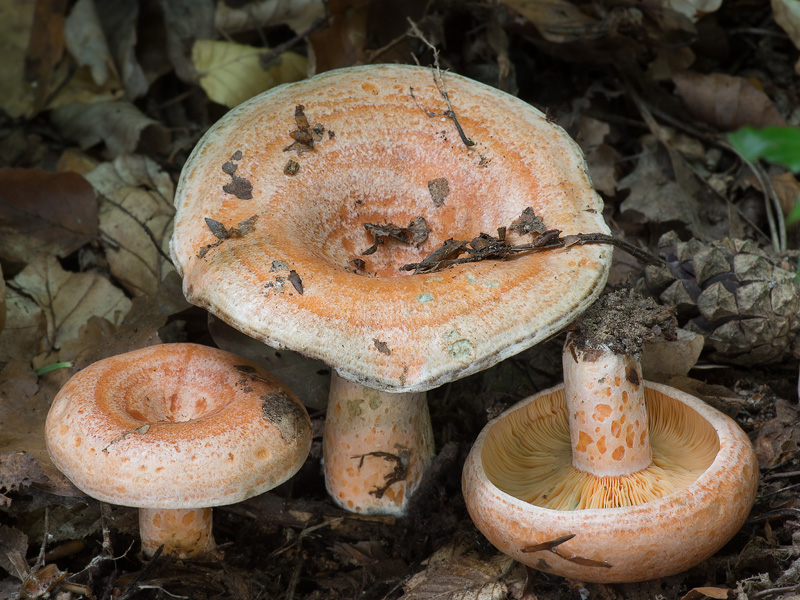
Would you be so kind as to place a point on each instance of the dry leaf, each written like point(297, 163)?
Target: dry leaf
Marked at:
point(44, 212)
point(187, 21)
point(297, 14)
point(664, 189)
point(726, 102)
point(341, 43)
point(231, 73)
point(787, 188)
point(663, 359)
point(700, 593)
point(600, 157)
point(13, 550)
point(136, 215)
point(25, 328)
point(787, 15)
point(45, 48)
point(454, 573)
point(120, 20)
point(86, 42)
point(557, 20)
point(120, 125)
point(67, 299)
point(16, 21)
point(694, 9)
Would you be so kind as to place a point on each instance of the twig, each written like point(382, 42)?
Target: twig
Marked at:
point(439, 82)
point(266, 58)
point(549, 241)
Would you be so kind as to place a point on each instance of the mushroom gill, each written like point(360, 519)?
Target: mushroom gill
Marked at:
point(528, 455)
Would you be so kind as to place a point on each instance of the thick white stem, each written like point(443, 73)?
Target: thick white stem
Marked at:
point(376, 447)
point(607, 415)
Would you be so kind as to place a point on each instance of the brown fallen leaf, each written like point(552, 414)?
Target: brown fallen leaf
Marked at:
point(121, 126)
point(44, 212)
point(663, 189)
point(136, 216)
point(700, 593)
point(24, 331)
point(726, 102)
point(120, 22)
point(86, 42)
point(342, 42)
point(45, 48)
point(68, 299)
point(456, 573)
point(23, 409)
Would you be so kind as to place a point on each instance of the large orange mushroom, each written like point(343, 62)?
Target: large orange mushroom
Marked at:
point(607, 477)
point(298, 210)
point(175, 429)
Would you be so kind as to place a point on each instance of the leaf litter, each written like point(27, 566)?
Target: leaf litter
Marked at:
point(648, 92)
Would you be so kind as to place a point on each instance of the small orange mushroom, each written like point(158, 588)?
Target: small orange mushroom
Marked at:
point(276, 214)
point(175, 429)
point(607, 477)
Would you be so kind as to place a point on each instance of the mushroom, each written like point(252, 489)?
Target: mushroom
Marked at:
point(607, 477)
point(388, 163)
point(175, 429)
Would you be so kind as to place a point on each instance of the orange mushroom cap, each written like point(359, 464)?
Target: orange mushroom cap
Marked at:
point(176, 426)
point(524, 494)
point(275, 259)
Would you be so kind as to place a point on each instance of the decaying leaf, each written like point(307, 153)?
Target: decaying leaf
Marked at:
point(23, 409)
point(556, 20)
point(45, 48)
point(136, 217)
point(121, 126)
point(342, 41)
point(185, 22)
point(44, 212)
point(456, 573)
point(230, 73)
point(297, 14)
point(16, 22)
point(13, 550)
point(726, 102)
point(787, 15)
point(416, 233)
point(67, 299)
point(24, 331)
point(86, 41)
point(120, 21)
point(694, 9)
point(663, 189)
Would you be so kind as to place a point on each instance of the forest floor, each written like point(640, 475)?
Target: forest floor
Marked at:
point(100, 108)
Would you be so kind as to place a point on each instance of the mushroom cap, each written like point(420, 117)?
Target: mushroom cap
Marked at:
point(282, 270)
point(176, 426)
point(684, 523)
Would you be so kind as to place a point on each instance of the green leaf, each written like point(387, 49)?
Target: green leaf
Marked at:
point(780, 145)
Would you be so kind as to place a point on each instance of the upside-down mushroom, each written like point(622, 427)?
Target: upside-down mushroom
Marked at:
point(175, 429)
point(607, 477)
point(298, 210)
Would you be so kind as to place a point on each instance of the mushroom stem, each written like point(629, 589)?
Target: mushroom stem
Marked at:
point(184, 532)
point(376, 447)
point(608, 422)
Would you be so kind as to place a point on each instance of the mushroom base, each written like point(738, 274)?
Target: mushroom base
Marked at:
point(184, 532)
point(376, 446)
point(629, 543)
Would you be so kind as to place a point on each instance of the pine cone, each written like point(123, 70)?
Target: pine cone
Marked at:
point(744, 301)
